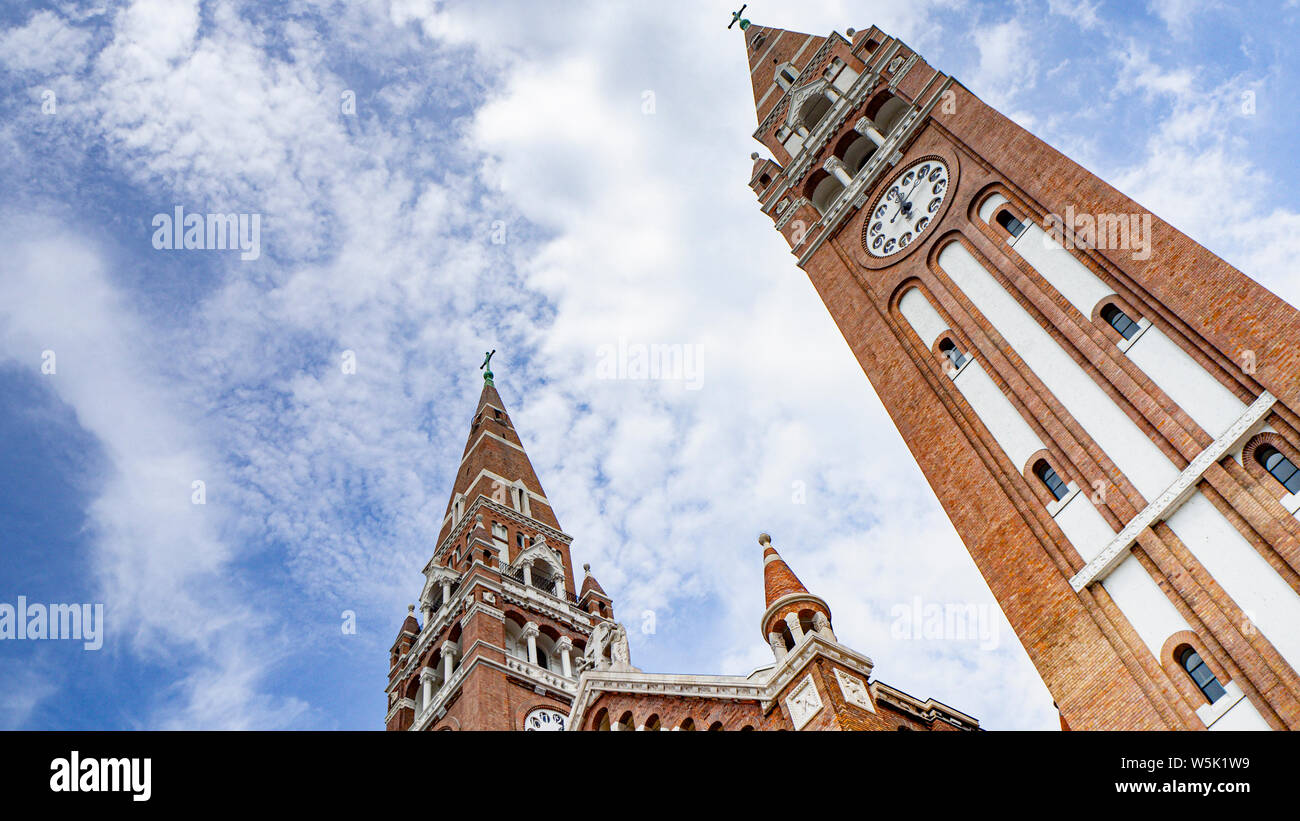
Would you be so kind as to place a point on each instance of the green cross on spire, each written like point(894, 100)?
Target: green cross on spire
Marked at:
point(486, 367)
point(736, 18)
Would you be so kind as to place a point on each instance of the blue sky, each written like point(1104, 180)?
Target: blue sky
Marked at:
point(324, 489)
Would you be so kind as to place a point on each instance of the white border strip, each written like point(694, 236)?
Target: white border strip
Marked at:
point(1166, 503)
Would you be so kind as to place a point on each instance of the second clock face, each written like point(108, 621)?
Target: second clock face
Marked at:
point(544, 720)
point(907, 208)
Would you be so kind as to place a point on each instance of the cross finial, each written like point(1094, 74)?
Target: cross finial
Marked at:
point(736, 18)
point(486, 367)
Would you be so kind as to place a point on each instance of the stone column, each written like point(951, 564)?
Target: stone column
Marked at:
point(867, 128)
point(565, 646)
point(836, 166)
point(778, 645)
point(530, 633)
point(823, 626)
point(528, 575)
point(796, 632)
point(426, 685)
point(446, 591)
point(448, 662)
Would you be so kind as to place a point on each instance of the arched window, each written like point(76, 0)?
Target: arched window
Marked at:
point(814, 110)
point(1014, 226)
point(949, 349)
point(785, 76)
point(1050, 478)
point(828, 189)
point(1120, 321)
point(1282, 468)
point(1201, 675)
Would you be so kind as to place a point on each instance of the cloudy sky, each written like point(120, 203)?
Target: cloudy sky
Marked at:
point(436, 179)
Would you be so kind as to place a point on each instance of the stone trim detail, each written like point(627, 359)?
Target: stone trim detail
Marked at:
point(1166, 503)
point(803, 703)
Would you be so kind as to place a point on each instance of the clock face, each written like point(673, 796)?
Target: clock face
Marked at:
point(545, 720)
point(907, 208)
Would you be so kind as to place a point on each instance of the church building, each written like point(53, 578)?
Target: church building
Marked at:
point(1108, 412)
point(505, 639)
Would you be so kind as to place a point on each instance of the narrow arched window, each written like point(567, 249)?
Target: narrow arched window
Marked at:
point(949, 349)
point(1014, 226)
point(785, 77)
point(1282, 468)
point(1120, 321)
point(1050, 478)
point(1201, 675)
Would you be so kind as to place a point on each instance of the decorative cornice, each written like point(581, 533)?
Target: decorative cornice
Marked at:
point(789, 598)
point(531, 673)
point(1164, 505)
point(486, 504)
point(548, 604)
point(764, 690)
point(928, 710)
point(463, 604)
point(902, 72)
point(862, 87)
point(890, 153)
point(398, 706)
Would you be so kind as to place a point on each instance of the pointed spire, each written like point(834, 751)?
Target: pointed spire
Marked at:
point(778, 579)
point(590, 583)
point(791, 610)
point(494, 465)
point(410, 625)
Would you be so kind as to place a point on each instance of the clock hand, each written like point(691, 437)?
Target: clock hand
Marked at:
point(907, 199)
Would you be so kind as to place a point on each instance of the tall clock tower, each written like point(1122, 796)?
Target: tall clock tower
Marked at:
point(1107, 411)
point(501, 625)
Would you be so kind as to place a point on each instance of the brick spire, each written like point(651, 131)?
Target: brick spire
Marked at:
point(778, 579)
point(769, 48)
point(493, 464)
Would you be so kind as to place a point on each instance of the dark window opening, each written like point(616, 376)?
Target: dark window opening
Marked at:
point(1050, 478)
point(1014, 226)
point(1282, 468)
point(949, 349)
point(1201, 675)
point(1120, 321)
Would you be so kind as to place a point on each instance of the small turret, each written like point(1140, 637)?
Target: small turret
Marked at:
point(792, 612)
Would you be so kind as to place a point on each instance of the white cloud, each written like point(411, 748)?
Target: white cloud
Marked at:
point(1007, 66)
point(45, 45)
point(160, 558)
point(1180, 15)
point(633, 225)
point(1081, 12)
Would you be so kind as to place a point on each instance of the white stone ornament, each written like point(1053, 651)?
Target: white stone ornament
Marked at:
point(544, 719)
point(803, 702)
point(906, 210)
point(855, 692)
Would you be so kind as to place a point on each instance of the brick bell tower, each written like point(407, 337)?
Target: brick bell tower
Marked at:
point(1107, 411)
point(502, 627)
